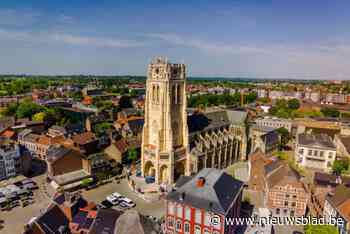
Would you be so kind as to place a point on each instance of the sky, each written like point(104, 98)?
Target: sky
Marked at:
point(263, 39)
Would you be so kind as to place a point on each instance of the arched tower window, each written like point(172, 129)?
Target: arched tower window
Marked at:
point(153, 93)
point(173, 94)
point(179, 94)
point(157, 93)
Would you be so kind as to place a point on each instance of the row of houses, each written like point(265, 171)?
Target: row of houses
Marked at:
point(71, 213)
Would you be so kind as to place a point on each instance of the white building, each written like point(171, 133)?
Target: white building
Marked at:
point(274, 123)
point(315, 97)
point(315, 151)
point(274, 94)
point(9, 156)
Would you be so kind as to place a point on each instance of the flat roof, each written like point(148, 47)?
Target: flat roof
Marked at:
point(70, 177)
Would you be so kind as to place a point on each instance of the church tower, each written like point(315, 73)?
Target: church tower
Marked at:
point(164, 152)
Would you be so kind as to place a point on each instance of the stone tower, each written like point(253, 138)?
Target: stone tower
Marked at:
point(164, 153)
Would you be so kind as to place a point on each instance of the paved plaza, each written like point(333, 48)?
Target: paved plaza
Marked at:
point(15, 219)
point(154, 208)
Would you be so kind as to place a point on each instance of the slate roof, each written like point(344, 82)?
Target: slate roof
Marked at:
point(52, 220)
point(270, 138)
point(82, 218)
point(346, 142)
point(341, 194)
point(316, 140)
point(136, 125)
point(105, 222)
point(220, 190)
point(54, 153)
point(215, 119)
point(279, 173)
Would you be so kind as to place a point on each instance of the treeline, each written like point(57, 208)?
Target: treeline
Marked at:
point(207, 100)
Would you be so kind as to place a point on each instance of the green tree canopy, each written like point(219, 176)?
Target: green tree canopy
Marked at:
point(330, 112)
point(340, 166)
point(320, 229)
point(101, 128)
point(132, 155)
point(10, 110)
point(40, 116)
point(293, 104)
point(284, 137)
point(27, 109)
point(251, 97)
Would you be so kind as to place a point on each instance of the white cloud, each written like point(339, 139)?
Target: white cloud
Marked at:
point(94, 41)
point(273, 60)
point(47, 38)
point(13, 17)
point(207, 46)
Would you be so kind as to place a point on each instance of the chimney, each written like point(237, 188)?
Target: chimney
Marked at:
point(200, 182)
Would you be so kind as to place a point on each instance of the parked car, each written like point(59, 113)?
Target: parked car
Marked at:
point(128, 202)
point(115, 201)
point(106, 204)
point(117, 195)
point(91, 186)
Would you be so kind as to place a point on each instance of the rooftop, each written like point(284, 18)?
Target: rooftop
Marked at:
point(315, 140)
point(84, 138)
point(218, 191)
point(71, 177)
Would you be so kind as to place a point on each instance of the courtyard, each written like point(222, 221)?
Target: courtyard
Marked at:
point(14, 220)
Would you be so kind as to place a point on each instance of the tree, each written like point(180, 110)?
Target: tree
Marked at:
point(293, 104)
point(105, 105)
point(264, 100)
point(40, 116)
point(340, 166)
point(77, 96)
point(10, 110)
point(101, 128)
point(284, 137)
point(251, 97)
point(125, 102)
point(132, 154)
point(320, 229)
point(330, 112)
point(27, 109)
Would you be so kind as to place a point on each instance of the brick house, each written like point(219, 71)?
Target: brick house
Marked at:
point(337, 205)
point(323, 184)
point(196, 199)
point(286, 194)
point(86, 142)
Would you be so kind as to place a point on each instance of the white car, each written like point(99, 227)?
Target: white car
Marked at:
point(127, 202)
point(115, 201)
point(117, 195)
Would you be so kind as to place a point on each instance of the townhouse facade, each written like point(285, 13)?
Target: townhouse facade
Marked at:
point(315, 151)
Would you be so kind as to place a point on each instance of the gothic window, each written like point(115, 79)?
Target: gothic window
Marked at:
point(153, 93)
point(173, 94)
point(157, 93)
point(178, 94)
